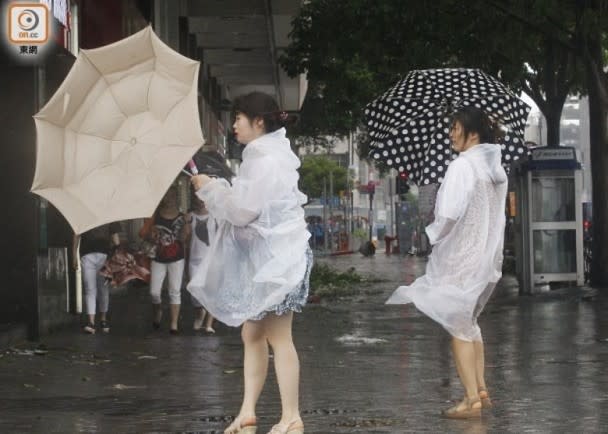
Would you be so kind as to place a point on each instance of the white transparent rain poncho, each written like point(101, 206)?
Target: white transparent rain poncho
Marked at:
point(467, 237)
point(259, 252)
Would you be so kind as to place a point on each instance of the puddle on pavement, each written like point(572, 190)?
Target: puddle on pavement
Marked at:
point(357, 340)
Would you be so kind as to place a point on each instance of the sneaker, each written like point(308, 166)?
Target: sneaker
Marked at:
point(89, 328)
point(105, 327)
point(210, 330)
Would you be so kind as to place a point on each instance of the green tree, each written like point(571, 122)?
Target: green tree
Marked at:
point(522, 57)
point(377, 42)
point(315, 172)
point(579, 28)
point(549, 51)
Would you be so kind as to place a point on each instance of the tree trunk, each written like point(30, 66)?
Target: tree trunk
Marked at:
point(555, 90)
point(598, 134)
point(553, 114)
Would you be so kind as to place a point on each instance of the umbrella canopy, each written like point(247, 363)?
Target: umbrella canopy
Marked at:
point(117, 132)
point(409, 125)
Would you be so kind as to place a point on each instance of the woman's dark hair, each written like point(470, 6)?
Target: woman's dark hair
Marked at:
point(474, 120)
point(261, 105)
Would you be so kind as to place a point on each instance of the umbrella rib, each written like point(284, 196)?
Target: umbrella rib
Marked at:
point(92, 135)
point(103, 77)
point(175, 105)
point(50, 122)
point(149, 86)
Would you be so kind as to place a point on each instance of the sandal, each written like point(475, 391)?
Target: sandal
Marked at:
point(486, 402)
point(465, 409)
point(295, 427)
point(247, 425)
point(89, 329)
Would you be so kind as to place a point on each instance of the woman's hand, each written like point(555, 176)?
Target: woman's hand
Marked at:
point(199, 181)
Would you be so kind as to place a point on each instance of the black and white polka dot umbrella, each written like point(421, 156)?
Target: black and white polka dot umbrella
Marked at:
point(409, 125)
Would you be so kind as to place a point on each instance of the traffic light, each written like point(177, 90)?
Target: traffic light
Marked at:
point(401, 185)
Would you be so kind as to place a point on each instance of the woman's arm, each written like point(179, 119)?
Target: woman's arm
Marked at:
point(241, 203)
point(439, 229)
point(452, 199)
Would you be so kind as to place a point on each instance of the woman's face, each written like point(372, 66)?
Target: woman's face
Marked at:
point(246, 130)
point(460, 143)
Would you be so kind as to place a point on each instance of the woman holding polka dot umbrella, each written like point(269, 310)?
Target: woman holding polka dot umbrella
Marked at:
point(467, 237)
point(409, 125)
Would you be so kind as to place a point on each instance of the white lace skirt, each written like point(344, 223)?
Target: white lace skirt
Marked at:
point(248, 273)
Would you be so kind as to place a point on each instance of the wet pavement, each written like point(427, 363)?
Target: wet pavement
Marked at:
point(366, 367)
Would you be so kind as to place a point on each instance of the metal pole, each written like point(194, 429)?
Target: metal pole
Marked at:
point(371, 213)
point(392, 204)
point(331, 208)
point(325, 231)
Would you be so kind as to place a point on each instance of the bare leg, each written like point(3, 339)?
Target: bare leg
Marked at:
point(480, 365)
point(486, 402)
point(199, 317)
point(254, 372)
point(286, 364)
point(174, 311)
point(209, 323)
point(464, 356)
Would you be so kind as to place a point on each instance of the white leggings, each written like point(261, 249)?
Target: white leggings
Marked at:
point(158, 271)
point(95, 287)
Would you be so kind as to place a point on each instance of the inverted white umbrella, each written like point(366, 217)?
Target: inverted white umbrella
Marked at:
point(117, 132)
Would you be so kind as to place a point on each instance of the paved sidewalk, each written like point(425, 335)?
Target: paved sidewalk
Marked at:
point(366, 367)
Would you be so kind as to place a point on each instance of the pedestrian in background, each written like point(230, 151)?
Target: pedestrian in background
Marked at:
point(201, 231)
point(168, 233)
point(257, 273)
point(466, 262)
point(94, 247)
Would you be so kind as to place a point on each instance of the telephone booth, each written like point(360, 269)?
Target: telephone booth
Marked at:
point(548, 219)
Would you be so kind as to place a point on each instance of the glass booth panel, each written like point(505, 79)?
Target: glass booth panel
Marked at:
point(553, 200)
point(554, 251)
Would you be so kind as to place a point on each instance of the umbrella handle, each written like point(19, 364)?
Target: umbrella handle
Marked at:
point(78, 278)
point(192, 167)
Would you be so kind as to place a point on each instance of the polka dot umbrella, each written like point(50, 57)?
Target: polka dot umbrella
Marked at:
point(409, 125)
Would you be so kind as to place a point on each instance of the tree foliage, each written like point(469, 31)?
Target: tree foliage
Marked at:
point(353, 50)
point(315, 173)
point(380, 41)
point(377, 42)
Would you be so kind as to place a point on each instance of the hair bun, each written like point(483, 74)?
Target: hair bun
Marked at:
point(285, 118)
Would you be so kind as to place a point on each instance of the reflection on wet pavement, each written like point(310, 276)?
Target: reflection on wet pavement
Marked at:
point(366, 368)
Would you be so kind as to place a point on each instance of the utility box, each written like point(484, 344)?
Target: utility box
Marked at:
point(548, 219)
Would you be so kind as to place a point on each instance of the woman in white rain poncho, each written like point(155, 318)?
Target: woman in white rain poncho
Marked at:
point(467, 237)
point(258, 265)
